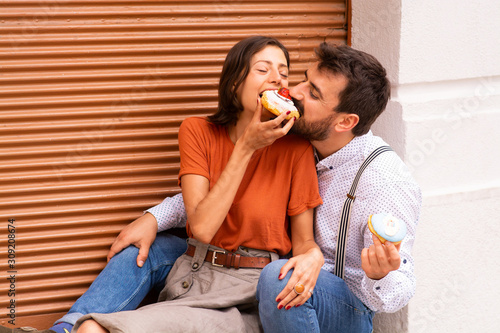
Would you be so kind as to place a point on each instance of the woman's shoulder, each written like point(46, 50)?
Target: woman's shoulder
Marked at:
point(198, 123)
point(292, 143)
point(195, 121)
point(202, 130)
point(293, 140)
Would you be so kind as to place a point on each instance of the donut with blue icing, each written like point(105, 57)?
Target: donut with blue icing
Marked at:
point(387, 228)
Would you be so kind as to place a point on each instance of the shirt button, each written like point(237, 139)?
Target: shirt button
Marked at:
point(331, 168)
point(378, 288)
point(404, 261)
point(195, 265)
point(185, 284)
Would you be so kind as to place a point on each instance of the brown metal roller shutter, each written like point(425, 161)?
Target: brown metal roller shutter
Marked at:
point(92, 94)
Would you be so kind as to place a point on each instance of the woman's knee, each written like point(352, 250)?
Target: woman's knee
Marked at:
point(91, 326)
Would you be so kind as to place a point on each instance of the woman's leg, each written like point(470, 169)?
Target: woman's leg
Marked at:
point(91, 326)
point(199, 297)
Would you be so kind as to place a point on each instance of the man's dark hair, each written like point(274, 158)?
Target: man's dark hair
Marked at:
point(234, 72)
point(367, 90)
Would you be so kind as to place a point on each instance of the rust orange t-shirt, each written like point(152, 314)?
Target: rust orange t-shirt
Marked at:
point(280, 181)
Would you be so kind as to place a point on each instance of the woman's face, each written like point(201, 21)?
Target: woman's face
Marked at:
point(268, 70)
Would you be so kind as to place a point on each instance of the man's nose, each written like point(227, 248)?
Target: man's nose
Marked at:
point(296, 93)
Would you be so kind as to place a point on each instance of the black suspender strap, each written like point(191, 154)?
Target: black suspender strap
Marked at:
point(346, 213)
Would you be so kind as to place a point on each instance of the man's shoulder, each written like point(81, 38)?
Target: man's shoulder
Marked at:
point(372, 142)
point(388, 166)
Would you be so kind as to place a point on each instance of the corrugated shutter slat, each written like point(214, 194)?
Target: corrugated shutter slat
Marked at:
point(92, 95)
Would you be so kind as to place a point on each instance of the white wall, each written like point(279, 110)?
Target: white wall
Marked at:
point(443, 58)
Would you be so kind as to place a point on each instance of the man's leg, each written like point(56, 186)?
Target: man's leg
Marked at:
point(122, 285)
point(332, 308)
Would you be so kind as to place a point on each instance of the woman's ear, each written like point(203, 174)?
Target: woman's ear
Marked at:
point(346, 122)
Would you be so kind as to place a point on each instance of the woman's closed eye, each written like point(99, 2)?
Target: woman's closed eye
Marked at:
point(265, 71)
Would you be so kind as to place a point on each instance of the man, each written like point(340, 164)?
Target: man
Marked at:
point(343, 93)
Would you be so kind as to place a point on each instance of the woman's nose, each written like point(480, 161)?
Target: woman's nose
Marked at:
point(275, 77)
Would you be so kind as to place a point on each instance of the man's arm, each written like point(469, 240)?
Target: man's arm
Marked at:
point(142, 232)
point(390, 281)
point(170, 213)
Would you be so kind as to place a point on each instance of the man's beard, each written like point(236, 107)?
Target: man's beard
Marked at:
point(313, 131)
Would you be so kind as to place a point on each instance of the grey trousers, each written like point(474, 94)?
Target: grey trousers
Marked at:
point(198, 297)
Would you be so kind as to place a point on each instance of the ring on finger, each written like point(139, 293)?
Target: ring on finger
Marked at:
point(299, 288)
point(311, 291)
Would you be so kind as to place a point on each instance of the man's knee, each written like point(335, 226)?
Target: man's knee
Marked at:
point(268, 280)
point(127, 254)
point(272, 271)
point(268, 288)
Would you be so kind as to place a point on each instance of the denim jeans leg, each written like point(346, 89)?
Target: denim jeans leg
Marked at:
point(332, 308)
point(122, 285)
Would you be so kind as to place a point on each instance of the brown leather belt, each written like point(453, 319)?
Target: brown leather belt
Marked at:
point(229, 259)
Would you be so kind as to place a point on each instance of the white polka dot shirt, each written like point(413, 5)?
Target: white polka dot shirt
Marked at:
point(170, 213)
point(385, 186)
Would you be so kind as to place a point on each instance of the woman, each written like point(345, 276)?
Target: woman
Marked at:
point(245, 186)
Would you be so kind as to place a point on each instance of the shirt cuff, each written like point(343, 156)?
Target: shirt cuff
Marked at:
point(379, 287)
point(170, 213)
point(388, 294)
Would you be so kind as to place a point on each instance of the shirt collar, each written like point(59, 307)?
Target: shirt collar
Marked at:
point(353, 149)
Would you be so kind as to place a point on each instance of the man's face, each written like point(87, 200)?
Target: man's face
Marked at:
point(316, 98)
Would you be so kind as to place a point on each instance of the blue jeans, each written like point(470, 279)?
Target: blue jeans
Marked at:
point(122, 285)
point(332, 308)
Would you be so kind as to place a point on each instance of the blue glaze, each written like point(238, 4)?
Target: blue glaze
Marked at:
point(380, 226)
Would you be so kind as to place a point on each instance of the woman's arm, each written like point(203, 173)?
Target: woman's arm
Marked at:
point(306, 262)
point(303, 233)
point(206, 210)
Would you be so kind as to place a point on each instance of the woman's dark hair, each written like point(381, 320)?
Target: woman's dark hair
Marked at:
point(367, 90)
point(234, 72)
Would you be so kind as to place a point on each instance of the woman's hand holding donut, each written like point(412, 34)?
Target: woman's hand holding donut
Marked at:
point(260, 134)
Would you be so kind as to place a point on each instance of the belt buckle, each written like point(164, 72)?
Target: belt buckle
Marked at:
point(214, 257)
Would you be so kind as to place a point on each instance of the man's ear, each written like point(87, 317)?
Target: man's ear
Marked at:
point(346, 122)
